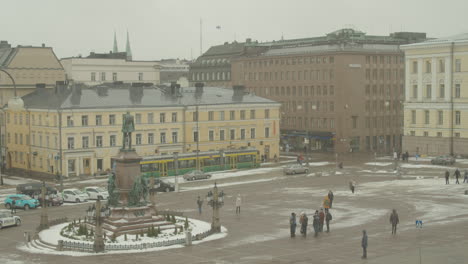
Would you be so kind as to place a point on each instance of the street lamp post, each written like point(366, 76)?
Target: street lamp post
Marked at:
point(216, 201)
point(44, 218)
point(98, 212)
point(176, 167)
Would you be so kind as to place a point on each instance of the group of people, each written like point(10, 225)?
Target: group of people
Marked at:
point(319, 218)
point(404, 156)
point(457, 175)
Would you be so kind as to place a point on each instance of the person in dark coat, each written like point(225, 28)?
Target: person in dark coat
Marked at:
point(292, 224)
point(447, 175)
point(407, 156)
point(465, 179)
point(364, 244)
point(330, 197)
point(304, 221)
point(321, 219)
point(199, 203)
point(328, 218)
point(352, 186)
point(13, 206)
point(316, 224)
point(394, 220)
point(457, 176)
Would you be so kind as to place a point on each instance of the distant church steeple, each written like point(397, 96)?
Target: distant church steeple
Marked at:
point(115, 49)
point(128, 50)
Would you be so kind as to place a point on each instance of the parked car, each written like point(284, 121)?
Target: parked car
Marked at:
point(7, 219)
point(74, 195)
point(296, 168)
point(96, 193)
point(196, 175)
point(52, 199)
point(33, 188)
point(21, 201)
point(162, 186)
point(443, 160)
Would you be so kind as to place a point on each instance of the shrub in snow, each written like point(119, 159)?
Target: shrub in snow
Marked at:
point(173, 220)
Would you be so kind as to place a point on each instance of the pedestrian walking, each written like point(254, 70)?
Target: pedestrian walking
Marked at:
point(200, 204)
point(276, 159)
point(238, 203)
point(394, 220)
point(447, 175)
point(395, 155)
point(465, 179)
point(298, 160)
point(331, 197)
point(13, 206)
point(364, 244)
point(321, 219)
point(328, 218)
point(315, 223)
point(352, 186)
point(292, 224)
point(407, 156)
point(457, 176)
point(326, 203)
point(304, 221)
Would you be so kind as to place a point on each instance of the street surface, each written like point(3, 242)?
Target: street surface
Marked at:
point(260, 234)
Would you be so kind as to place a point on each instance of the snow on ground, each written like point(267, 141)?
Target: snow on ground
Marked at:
point(52, 236)
point(11, 180)
point(378, 172)
point(379, 163)
point(209, 186)
point(281, 233)
point(425, 166)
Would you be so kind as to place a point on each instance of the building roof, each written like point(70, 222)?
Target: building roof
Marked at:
point(6, 54)
point(126, 96)
point(459, 38)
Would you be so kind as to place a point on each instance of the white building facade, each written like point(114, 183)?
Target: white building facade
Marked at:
point(94, 71)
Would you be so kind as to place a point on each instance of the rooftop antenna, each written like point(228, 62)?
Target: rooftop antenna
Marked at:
point(201, 38)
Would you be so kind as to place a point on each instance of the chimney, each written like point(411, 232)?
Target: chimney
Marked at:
point(4, 44)
point(199, 88)
point(43, 45)
point(248, 40)
point(40, 85)
point(238, 90)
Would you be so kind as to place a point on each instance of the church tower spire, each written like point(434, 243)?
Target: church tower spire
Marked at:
point(128, 50)
point(115, 49)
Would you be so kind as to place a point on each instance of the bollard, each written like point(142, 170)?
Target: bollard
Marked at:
point(188, 238)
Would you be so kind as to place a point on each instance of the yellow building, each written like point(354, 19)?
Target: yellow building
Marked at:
point(436, 106)
point(77, 131)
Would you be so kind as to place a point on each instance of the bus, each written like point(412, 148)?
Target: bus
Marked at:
point(161, 166)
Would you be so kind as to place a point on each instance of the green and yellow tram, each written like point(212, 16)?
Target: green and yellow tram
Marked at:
point(160, 166)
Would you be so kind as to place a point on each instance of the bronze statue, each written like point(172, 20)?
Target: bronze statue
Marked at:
point(128, 126)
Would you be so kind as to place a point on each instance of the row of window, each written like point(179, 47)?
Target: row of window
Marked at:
point(289, 61)
point(385, 59)
point(440, 117)
point(306, 75)
point(385, 74)
point(441, 91)
point(382, 122)
point(438, 134)
point(313, 90)
point(441, 64)
point(211, 76)
point(150, 138)
point(293, 106)
point(382, 105)
point(384, 90)
point(102, 76)
point(304, 122)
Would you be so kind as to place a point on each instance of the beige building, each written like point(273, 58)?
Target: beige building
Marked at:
point(77, 131)
point(339, 92)
point(30, 67)
point(436, 106)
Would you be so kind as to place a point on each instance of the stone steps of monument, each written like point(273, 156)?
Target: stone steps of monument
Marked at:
point(43, 244)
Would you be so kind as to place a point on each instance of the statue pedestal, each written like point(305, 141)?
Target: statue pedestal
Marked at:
point(127, 168)
point(134, 220)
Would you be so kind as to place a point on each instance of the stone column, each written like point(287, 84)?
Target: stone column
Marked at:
point(434, 79)
point(215, 223)
point(420, 79)
point(44, 217)
point(407, 80)
point(448, 78)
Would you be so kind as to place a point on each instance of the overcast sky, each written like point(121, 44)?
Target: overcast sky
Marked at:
point(171, 28)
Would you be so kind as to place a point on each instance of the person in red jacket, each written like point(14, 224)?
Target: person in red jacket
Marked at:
point(321, 219)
